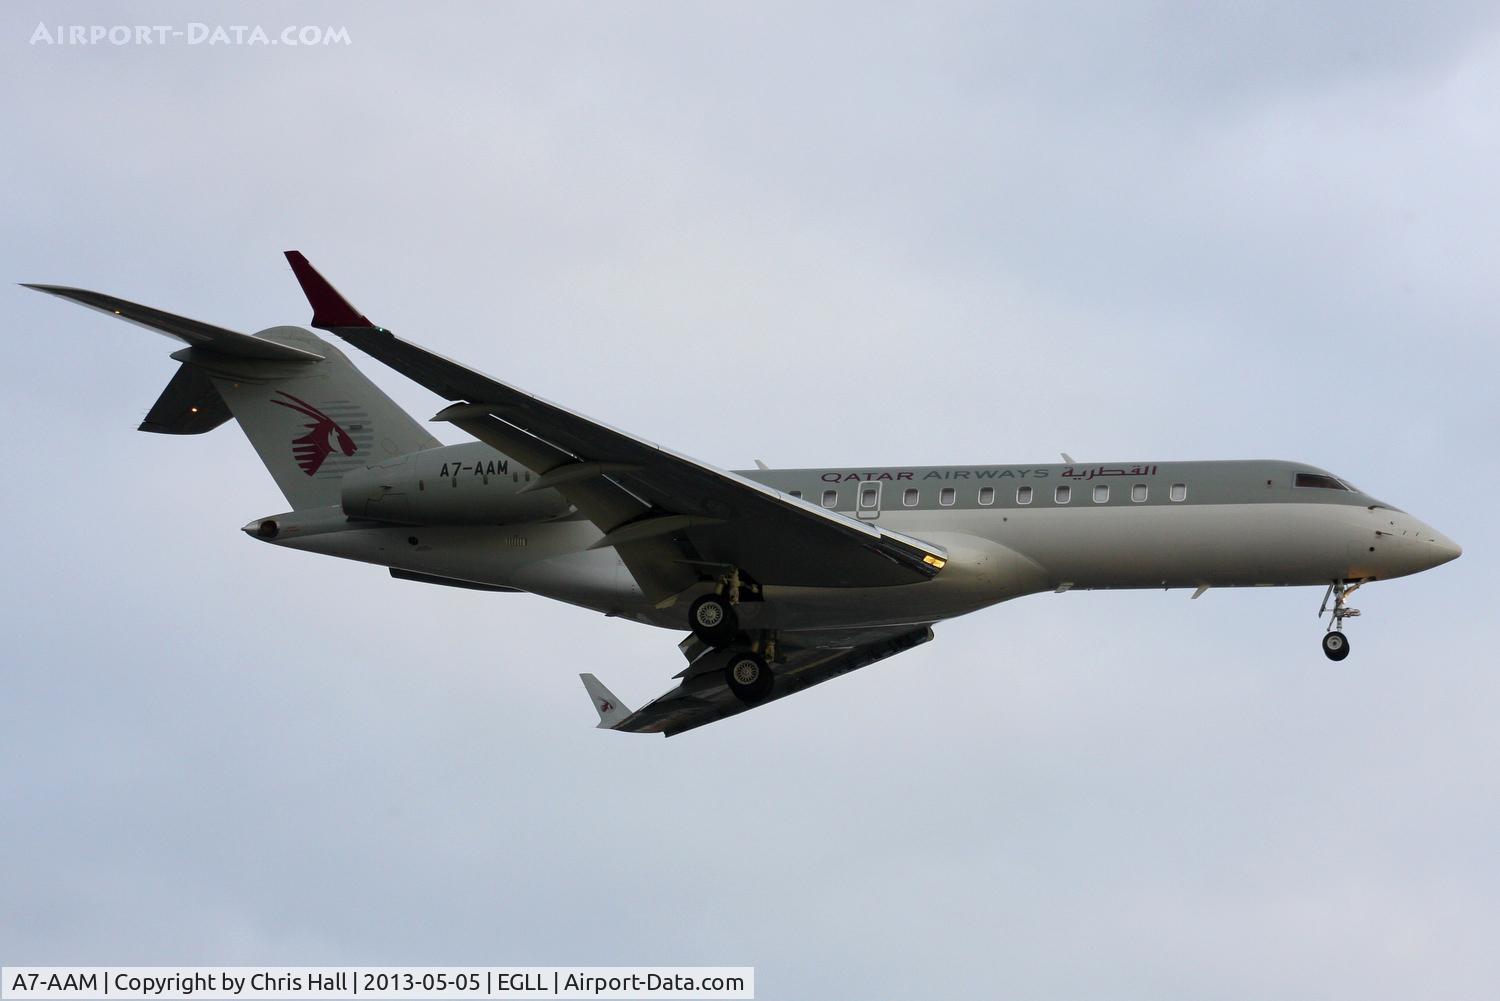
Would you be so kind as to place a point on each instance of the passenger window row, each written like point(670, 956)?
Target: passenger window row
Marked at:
point(948, 496)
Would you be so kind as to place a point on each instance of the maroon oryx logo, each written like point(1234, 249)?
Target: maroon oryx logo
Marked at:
point(323, 435)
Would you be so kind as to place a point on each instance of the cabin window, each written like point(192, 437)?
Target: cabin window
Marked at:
point(986, 496)
point(869, 496)
point(910, 496)
point(947, 496)
point(1320, 481)
point(797, 494)
point(1178, 492)
point(1101, 493)
point(1138, 493)
point(1063, 494)
point(830, 498)
point(1023, 495)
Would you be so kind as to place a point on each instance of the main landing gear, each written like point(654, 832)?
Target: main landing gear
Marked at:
point(749, 677)
point(748, 671)
point(1335, 643)
point(713, 619)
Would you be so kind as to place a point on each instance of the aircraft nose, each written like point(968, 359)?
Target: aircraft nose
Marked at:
point(1430, 548)
point(1445, 549)
point(1412, 546)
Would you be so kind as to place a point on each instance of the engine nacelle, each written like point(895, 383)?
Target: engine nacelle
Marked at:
point(455, 485)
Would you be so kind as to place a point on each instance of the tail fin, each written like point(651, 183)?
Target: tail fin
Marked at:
point(313, 422)
point(309, 413)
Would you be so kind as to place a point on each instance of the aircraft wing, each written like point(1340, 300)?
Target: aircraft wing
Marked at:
point(703, 696)
point(673, 519)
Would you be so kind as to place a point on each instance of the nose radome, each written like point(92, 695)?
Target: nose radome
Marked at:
point(1435, 547)
point(1449, 549)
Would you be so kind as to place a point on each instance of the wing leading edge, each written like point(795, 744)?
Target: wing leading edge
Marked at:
point(668, 515)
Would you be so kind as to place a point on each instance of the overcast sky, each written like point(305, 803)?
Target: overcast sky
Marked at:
point(818, 235)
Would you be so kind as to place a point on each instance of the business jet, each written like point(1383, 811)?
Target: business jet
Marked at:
point(781, 578)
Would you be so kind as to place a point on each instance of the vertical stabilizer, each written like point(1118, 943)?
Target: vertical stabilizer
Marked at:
point(313, 422)
point(309, 413)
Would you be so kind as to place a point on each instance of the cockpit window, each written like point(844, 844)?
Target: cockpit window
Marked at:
point(1319, 480)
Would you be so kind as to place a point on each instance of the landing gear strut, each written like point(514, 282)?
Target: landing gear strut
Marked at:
point(1335, 643)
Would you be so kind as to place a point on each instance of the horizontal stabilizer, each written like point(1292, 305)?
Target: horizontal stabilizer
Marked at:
point(310, 415)
point(194, 332)
point(189, 405)
point(610, 709)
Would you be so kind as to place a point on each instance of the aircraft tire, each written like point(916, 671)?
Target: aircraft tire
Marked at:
point(749, 677)
point(1335, 646)
point(713, 621)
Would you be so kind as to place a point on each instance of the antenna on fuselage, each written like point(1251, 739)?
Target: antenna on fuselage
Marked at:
point(1068, 459)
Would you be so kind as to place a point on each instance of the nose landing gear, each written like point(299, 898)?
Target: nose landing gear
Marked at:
point(1335, 643)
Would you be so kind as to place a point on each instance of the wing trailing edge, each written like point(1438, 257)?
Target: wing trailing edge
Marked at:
point(703, 696)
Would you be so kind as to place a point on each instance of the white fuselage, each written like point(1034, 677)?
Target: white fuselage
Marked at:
point(997, 548)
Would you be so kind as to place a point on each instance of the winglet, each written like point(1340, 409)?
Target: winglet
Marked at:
point(329, 308)
point(611, 710)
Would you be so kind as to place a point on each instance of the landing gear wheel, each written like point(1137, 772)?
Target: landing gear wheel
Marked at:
point(712, 620)
point(1335, 646)
point(749, 678)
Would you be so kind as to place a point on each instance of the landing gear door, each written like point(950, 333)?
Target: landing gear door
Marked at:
point(867, 501)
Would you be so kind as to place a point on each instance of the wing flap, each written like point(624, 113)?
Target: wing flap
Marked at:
point(653, 562)
point(730, 520)
point(776, 538)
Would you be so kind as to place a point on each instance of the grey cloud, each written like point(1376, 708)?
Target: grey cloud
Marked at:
point(941, 234)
